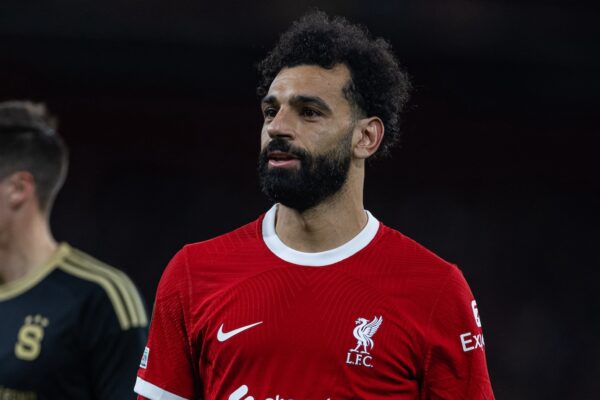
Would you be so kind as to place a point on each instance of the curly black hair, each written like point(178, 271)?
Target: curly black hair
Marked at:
point(378, 86)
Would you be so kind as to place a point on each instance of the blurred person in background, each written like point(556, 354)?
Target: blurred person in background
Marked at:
point(71, 327)
point(317, 299)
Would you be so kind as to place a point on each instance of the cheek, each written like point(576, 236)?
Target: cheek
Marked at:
point(330, 138)
point(264, 138)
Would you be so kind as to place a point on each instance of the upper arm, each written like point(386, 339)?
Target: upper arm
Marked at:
point(455, 366)
point(167, 370)
point(112, 348)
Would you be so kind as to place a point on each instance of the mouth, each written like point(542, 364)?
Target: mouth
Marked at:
point(281, 159)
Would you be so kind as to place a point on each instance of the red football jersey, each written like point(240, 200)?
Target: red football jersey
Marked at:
point(244, 317)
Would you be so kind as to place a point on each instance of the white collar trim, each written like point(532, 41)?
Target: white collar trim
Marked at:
point(322, 258)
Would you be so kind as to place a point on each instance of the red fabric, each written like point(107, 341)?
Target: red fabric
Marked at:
point(428, 345)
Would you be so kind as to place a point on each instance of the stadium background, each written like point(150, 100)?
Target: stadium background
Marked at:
point(495, 173)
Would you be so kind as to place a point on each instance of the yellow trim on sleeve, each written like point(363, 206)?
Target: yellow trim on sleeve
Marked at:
point(127, 300)
point(77, 271)
point(121, 291)
point(137, 299)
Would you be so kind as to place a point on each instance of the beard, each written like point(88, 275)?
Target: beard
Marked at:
point(319, 177)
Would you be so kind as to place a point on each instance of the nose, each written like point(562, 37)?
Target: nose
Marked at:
point(281, 125)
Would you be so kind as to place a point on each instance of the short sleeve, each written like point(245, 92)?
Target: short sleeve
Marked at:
point(112, 339)
point(455, 365)
point(115, 362)
point(167, 370)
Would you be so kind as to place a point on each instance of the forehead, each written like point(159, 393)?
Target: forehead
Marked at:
point(311, 80)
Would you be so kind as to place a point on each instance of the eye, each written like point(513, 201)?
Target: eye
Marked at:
point(310, 113)
point(269, 112)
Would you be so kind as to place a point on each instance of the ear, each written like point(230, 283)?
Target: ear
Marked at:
point(20, 188)
point(371, 131)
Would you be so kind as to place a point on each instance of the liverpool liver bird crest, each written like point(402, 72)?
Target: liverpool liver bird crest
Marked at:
point(364, 332)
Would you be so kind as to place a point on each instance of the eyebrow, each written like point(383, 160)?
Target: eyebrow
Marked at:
point(269, 100)
point(299, 99)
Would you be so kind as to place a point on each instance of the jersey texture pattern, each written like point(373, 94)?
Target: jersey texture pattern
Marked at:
point(242, 316)
point(72, 330)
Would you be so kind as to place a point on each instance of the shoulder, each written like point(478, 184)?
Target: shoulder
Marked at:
point(402, 248)
point(238, 244)
point(239, 239)
point(435, 284)
point(208, 264)
point(409, 261)
point(105, 286)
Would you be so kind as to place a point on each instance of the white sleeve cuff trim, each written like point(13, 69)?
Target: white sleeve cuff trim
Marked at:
point(153, 392)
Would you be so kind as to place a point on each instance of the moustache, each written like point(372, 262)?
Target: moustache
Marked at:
point(285, 146)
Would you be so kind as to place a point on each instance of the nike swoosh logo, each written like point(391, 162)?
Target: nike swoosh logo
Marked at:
point(223, 336)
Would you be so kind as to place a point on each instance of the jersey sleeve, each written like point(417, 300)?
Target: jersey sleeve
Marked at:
point(455, 363)
point(113, 337)
point(167, 370)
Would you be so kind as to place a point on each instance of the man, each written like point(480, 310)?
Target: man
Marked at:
point(317, 299)
point(72, 327)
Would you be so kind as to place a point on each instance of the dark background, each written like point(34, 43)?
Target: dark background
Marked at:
point(496, 171)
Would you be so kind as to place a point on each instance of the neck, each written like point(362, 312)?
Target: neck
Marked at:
point(27, 247)
point(328, 225)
